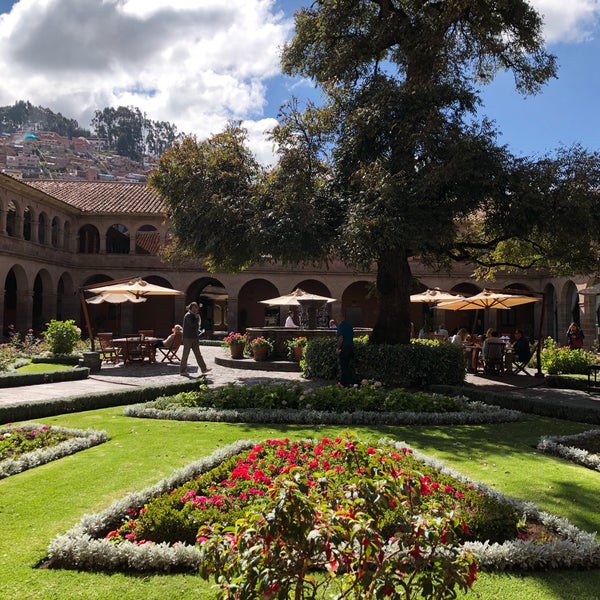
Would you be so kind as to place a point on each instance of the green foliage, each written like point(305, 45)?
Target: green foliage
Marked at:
point(62, 336)
point(325, 513)
point(559, 359)
point(333, 398)
point(421, 363)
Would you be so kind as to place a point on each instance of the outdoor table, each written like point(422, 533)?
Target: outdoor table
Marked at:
point(472, 355)
point(127, 344)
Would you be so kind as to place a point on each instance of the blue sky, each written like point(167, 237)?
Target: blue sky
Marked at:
point(198, 63)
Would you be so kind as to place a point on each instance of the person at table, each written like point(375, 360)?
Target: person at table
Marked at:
point(521, 348)
point(345, 351)
point(490, 339)
point(460, 337)
point(170, 339)
point(442, 331)
point(289, 322)
point(191, 330)
point(575, 336)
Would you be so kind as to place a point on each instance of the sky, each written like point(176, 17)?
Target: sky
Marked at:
point(200, 63)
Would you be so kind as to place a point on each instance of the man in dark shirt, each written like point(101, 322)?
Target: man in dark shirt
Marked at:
point(521, 347)
point(345, 351)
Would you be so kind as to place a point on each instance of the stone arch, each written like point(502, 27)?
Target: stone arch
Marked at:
point(12, 218)
point(42, 226)
point(55, 232)
point(359, 304)
point(519, 317)
point(66, 242)
point(103, 317)
point(40, 313)
point(28, 218)
point(15, 286)
point(250, 312)
point(65, 297)
point(89, 239)
point(571, 304)
point(117, 239)
point(147, 240)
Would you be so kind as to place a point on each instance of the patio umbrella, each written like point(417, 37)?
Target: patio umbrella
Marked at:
point(134, 289)
point(434, 295)
point(487, 299)
point(296, 298)
point(114, 299)
point(137, 287)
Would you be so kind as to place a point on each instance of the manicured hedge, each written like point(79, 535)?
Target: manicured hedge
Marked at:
point(416, 365)
point(18, 379)
point(36, 410)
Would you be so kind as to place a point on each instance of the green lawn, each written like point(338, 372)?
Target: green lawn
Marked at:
point(38, 504)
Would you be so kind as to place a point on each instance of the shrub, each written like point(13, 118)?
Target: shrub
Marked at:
point(419, 364)
point(558, 359)
point(62, 336)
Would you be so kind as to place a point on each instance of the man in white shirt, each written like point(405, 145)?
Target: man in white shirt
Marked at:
point(289, 322)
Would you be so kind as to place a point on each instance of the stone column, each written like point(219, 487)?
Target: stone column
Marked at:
point(231, 318)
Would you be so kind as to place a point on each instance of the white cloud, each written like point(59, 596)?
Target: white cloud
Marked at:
point(195, 63)
point(568, 20)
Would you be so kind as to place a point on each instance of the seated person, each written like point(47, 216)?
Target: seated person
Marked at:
point(168, 341)
point(460, 338)
point(521, 347)
point(491, 339)
point(442, 331)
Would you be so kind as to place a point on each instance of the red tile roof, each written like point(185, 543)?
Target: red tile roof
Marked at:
point(102, 197)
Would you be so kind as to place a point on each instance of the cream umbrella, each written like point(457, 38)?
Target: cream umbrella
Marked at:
point(137, 287)
point(134, 289)
point(114, 299)
point(487, 299)
point(434, 295)
point(295, 297)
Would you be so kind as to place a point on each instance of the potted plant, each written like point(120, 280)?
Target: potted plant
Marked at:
point(235, 342)
point(261, 347)
point(296, 346)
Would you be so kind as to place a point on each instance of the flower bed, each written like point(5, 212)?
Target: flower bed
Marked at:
point(110, 540)
point(292, 403)
point(30, 445)
point(574, 448)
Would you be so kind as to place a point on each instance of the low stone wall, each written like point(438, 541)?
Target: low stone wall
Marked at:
point(280, 336)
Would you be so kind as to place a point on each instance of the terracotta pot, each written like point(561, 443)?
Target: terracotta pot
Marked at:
point(260, 352)
point(298, 352)
point(237, 350)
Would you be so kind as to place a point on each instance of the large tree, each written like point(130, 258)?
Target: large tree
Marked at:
point(395, 164)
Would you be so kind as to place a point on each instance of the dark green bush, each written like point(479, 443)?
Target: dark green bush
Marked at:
point(419, 364)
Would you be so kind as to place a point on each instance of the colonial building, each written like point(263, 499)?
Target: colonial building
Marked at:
point(57, 237)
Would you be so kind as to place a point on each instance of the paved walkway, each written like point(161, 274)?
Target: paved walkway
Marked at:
point(123, 377)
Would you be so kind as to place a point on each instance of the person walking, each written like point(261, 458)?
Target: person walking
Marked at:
point(345, 351)
point(191, 329)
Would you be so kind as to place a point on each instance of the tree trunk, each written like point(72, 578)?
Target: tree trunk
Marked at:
point(394, 280)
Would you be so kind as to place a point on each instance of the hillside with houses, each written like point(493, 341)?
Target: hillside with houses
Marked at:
point(36, 143)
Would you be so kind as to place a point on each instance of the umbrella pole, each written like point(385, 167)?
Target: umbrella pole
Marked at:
point(86, 317)
point(538, 350)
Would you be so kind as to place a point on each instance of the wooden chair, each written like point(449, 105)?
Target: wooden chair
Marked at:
point(135, 349)
point(110, 352)
point(520, 365)
point(170, 354)
point(493, 358)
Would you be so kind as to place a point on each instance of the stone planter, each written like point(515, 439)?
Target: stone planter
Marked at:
point(237, 350)
point(91, 360)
